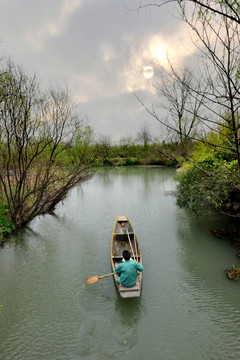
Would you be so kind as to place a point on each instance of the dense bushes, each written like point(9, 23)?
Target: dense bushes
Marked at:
point(209, 181)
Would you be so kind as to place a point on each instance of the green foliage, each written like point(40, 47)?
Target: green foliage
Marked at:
point(203, 152)
point(131, 161)
point(82, 149)
point(6, 226)
point(209, 181)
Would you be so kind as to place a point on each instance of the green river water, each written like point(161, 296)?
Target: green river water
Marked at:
point(188, 309)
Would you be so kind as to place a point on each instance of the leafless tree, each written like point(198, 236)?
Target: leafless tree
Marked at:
point(126, 141)
point(144, 134)
point(173, 88)
point(229, 9)
point(37, 131)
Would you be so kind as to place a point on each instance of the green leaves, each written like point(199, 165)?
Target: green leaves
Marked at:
point(6, 226)
point(209, 182)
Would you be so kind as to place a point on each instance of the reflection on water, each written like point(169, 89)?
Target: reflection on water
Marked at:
point(187, 310)
point(129, 311)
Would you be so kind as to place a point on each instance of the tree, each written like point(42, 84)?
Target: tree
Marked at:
point(229, 9)
point(215, 89)
point(144, 134)
point(104, 148)
point(220, 47)
point(174, 88)
point(37, 132)
point(126, 141)
point(174, 91)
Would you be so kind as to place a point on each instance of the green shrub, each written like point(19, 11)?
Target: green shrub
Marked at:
point(209, 184)
point(6, 226)
point(131, 161)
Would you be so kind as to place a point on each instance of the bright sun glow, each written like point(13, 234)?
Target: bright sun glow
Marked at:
point(148, 72)
point(158, 49)
point(159, 54)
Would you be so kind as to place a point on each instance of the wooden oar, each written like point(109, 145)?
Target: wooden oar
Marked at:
point(135, 244)
point(131, 245)
point(94, 279)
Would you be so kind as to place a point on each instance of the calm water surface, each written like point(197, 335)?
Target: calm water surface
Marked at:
point(188, 309)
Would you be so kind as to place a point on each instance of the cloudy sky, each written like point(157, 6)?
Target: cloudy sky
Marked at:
point(97, 49)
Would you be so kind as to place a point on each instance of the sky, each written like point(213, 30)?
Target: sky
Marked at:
point(98, 50)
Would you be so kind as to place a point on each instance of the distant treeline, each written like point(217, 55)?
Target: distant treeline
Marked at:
point(135, 154)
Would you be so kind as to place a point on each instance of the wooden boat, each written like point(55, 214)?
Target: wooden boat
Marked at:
point(124, 238)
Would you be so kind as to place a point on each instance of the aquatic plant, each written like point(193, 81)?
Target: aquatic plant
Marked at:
point(233, 273)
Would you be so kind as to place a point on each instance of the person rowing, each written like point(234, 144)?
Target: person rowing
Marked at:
point(128, 270)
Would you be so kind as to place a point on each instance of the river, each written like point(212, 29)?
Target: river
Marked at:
point(188, 309)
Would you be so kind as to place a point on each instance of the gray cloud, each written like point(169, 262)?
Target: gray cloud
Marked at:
point(97, 49)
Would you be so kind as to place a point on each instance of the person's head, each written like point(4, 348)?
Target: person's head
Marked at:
point(126, 255)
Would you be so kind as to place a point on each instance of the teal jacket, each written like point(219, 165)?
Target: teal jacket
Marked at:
point(128, 271)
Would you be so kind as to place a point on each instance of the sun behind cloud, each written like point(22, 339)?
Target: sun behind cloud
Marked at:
point(148, 72)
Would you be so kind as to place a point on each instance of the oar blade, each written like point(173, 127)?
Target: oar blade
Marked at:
point(91, 280)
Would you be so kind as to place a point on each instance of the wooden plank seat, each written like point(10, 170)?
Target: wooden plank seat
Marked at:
point(134, 288)
point(117, 257)
point(122, 218)
point(123, 232)
point(118, 260)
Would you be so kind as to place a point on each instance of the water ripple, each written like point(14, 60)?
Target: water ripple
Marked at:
point(187, 310)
